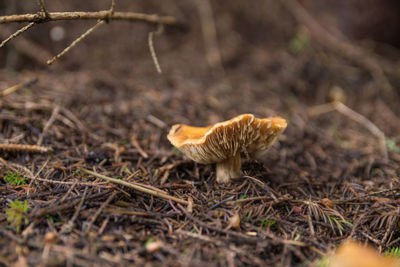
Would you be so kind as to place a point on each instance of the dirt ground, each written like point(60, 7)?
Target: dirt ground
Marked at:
point(103, 107)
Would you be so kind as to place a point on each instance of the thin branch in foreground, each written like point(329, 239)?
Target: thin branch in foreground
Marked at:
point(136, 187)
point(78, 15)
point(74, 43)
point(101, 16)
point(15, 34)
point(26, 47)
point(341, 108)
point(25, 148)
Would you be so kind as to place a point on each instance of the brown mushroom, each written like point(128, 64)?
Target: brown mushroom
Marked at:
point(223, 142)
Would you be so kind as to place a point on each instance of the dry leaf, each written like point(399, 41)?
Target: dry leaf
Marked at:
point(234, 221)
point(327, 203)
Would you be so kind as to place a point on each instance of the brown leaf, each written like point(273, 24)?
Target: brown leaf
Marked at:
point(234, 221)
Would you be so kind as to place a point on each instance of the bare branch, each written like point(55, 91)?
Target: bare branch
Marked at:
point(12, 36)
point(152, 50)
point(104, 14)
point(27, 47)
point(101, 16)
point(136, 186)
point(43, 7)
point(112, 9)
point(15, 88)
point(46, 127)
point(342, 108)
point(74, 43)
point(25, 148)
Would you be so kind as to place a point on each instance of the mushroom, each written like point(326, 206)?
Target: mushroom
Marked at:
point(223, 142)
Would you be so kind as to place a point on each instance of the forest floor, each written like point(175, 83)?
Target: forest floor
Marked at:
point(104, 108)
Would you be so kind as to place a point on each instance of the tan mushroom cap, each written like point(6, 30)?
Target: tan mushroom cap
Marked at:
point(225, 140)
point(216, 143)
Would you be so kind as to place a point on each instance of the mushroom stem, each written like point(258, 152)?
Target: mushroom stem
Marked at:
point(228, 169)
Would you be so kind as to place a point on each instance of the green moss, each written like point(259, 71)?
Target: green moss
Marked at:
point(17, 214)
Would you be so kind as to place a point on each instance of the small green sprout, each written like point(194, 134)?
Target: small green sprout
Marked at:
point(176, 151)
point(267, 223)
point(124, 142)
point(338, 225)
point(17, 214)
point(394, 252)
point(249, 215)
point(51, 219)
point(325, 261)
point(392, 145)
point(148, 241)
point(14, 178)
point(299, 42)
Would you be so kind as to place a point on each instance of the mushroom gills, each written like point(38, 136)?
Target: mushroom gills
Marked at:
point(228, 169)
point(223, 142)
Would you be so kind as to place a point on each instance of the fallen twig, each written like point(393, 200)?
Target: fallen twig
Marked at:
point(46, 127)
point(109, 199)
point(156, 121)
point(25, 148)
point(15, 88)
point(136, 187)
point(136, 144)
point(239, 236)
point(30, 175)
point(340, 107)
point(68, 226)
point(57, 208)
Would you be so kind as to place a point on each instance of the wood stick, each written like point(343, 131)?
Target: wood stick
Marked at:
point(342, 108)
point(74, 43)
point(15, 34)
point(15, 88)
point(103, 14)
point(25, 148)
point(136, 187)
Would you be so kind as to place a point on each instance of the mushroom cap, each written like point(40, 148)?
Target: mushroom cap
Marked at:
point(224, 140)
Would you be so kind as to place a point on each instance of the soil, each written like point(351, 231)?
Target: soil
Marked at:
point(103, 107)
